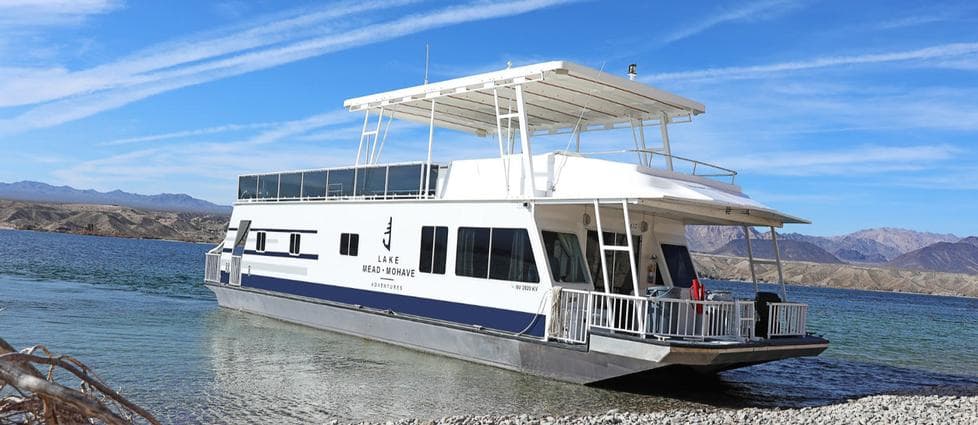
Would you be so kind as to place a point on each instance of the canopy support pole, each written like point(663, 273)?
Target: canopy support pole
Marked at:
point(777, 258)
point(750, 259)
point(664, 131)
point(431, 141)
point(499, 136)
point(528, 175)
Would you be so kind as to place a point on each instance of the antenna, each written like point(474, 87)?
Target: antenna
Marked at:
point(427, 56)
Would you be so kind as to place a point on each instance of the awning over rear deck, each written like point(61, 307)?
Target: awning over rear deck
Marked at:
point(558, 95)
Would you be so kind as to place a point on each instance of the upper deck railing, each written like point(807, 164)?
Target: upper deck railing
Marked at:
point(655, 159)
point(392, 181)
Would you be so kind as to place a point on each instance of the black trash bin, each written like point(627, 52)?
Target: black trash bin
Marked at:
point(760, 303)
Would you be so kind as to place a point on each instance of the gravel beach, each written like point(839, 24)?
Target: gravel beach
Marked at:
point(949, 407)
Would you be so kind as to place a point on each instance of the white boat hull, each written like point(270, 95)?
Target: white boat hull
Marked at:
point(583, 364)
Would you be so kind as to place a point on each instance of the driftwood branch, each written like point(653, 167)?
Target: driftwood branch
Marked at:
point(40, 399)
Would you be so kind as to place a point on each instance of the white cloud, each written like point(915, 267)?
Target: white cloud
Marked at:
point(859, 160)
point(36, 13)
point(185, 134)
point(750, 11)
point(143, 76)
point(940, 52)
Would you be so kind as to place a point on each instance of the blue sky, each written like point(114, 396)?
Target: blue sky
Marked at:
point(852, 114)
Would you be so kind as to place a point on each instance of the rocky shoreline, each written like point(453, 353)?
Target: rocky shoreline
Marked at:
point(948, 407)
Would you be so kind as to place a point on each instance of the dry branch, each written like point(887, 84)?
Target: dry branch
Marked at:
point(29, 397)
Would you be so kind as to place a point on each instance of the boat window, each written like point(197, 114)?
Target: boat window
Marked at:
point(512, 256)
point(290, 185)
point(340, 183)
point(371, 181)
point(260, 241)
point(680, 265)
point(564, 256)
point(349, 244)
point(404, 180)
point(268, 186)
point(247, 187)
point(314, 184)
point(619, 270)
point(433, 179)
point(472, 253)
point(434, 242)
point(294, 240)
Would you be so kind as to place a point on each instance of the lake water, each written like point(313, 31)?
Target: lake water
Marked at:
point(137, 311)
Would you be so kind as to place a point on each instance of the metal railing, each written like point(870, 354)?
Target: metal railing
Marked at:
point(576, 312)
point(647, 158)
point(570, 321)
point(787, 319)
point(234, 270)
point(212, 268)
point(722, 320)
point(619, 313)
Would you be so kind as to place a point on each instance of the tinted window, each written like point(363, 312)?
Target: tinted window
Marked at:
point(680, 265)
point(427, 248)
point(620, 270)
point(314, 184)
point(349, 244)
point(434, 243)
point(512, 256)
point(564, 257)
point(268, 186)
point(371, 181)
point(472, 254)
point(404, 180)
point(294, 240)
point(433, 178)
point(441, 250)
point(260, 241)
point(289, 185)
point(340, 183)
point(247, 187)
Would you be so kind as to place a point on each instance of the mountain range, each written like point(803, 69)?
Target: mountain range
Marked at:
point(32, 191)
point(886, 246)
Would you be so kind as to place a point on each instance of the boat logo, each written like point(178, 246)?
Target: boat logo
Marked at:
point(387, 235)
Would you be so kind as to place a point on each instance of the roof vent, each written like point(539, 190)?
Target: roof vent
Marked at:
point(631, 71)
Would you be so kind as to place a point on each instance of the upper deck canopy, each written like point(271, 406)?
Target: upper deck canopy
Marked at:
point(557, 96)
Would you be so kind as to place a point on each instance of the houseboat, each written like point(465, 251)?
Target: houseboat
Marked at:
point(569, 264)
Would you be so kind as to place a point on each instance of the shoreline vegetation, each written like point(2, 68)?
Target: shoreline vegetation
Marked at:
point(126, 222)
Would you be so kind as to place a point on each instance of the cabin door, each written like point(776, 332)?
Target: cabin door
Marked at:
point(619, 269)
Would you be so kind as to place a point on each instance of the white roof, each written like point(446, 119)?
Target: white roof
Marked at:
point(557, 94)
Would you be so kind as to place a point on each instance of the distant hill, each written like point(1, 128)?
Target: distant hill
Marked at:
point(869, 246)
point(43, 192)
point(790, 250)
point(957, 257)
point(842, 276)
point(903, 240)
point(111, 220)
point(712, 238)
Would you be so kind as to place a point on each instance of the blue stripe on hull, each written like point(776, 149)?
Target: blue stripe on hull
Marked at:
point(466, 314)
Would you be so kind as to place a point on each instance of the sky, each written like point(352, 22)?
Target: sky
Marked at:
point(850, 114)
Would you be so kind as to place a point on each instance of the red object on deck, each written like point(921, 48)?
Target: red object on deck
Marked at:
point(698, 293)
